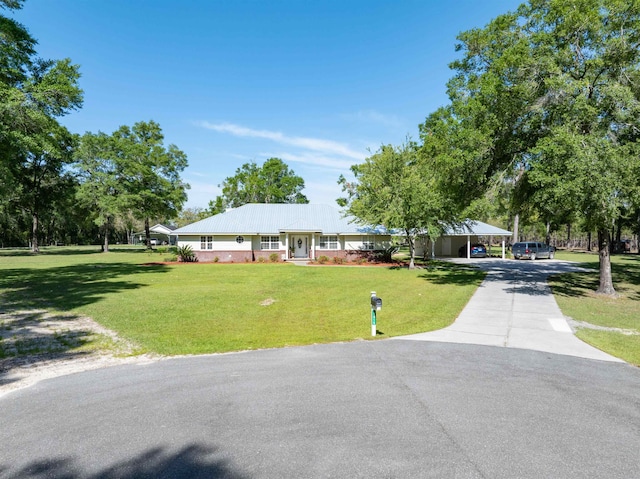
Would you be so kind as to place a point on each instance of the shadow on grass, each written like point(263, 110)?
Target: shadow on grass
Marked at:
point(67, 287)
point(440, 272)
point(30, 334)
point(194, 461)
point(625, 270)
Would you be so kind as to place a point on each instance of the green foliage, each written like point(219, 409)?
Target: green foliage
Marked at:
point(273, 182)
point(130, 172)
point(322, 259)
point(191, 215)
point(34, 147)
point(274, 257)
point(547, 98)
point(398, 189)
point(186, 255)
point(386, 255)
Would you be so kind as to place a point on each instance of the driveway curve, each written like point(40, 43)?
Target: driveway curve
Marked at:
point(515, 308)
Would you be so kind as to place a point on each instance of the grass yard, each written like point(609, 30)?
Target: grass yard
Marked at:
point(207, 308)
point(615, 321)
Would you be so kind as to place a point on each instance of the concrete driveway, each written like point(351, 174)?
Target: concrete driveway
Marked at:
point(514, 308)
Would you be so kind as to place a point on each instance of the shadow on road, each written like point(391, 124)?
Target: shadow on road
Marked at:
point(194, 462)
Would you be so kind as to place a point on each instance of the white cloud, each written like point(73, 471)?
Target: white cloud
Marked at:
point(372, 116)
point(324, 193)
point(314, 160)
point(327, 147)
point(201, 193)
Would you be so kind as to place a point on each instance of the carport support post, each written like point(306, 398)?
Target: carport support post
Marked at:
point(503, 254)
point(373, 316)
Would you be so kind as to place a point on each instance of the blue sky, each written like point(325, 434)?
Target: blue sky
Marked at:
point(320, 84)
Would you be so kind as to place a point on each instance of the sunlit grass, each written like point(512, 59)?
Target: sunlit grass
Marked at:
point(575, 294)
point(206, 308)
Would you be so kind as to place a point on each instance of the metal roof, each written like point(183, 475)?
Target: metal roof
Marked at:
point(260, 218)
point(476, 228)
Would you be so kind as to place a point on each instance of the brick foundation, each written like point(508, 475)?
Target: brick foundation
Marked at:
point(236, 256)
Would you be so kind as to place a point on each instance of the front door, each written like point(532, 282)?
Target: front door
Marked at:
point(301, 246)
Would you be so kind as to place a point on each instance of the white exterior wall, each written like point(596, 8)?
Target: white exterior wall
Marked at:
point(193, 241)
point(355, 242)
point(220, 242)
point(228, 242)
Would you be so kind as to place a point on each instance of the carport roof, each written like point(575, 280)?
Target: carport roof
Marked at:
point(476, 228)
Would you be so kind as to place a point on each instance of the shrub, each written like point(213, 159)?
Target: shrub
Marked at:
point(274, 257)
point(260, 259)
point(186, 254)
point(386, 255)
point(338, 260)
point(323, 259)
point(216, 259)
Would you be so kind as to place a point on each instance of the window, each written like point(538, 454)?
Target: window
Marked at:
point(368, 242)
point(269, 242)
point(239, 239)
point(206, 242)
point(328, 242)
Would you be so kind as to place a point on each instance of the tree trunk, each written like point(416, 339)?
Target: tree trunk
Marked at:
point(589, 241)
point(147, 233)
point(34, 233)
point(548, 236)
point(606, 281)
point(105, 246)
point(568, 233)
point(516, 224)
point(412, 250)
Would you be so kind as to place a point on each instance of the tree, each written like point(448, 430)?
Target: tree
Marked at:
point(34, 147)
point(394, 188)
point(101, 180)
point(273, 182)
point(191, 215)
point(554, 87)
point(150, 173)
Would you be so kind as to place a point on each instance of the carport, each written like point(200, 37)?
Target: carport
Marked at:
point(465, 234)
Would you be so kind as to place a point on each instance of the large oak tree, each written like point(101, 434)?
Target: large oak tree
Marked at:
point(553, 91)
point(34, 147)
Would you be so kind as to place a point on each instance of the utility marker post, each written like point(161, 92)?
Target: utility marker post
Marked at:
point(376, 305)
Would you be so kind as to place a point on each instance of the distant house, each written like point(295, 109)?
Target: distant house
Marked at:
point(292, 231)
point(160, 234)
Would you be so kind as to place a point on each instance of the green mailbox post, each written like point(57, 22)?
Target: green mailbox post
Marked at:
point(376, 305)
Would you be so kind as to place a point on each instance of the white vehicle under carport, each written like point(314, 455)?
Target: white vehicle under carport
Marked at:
point(532, 250)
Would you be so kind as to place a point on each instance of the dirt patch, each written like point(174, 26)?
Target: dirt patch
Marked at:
point(37, 345)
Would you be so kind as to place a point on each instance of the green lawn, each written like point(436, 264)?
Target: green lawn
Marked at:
point(575, 295)
point(206, 308)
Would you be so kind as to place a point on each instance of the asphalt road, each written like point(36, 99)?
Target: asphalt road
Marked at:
point(388, 408)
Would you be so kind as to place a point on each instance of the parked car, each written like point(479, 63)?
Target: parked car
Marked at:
point(532, 250)
point(477, 251)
